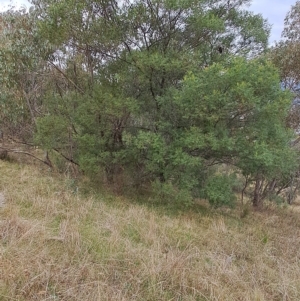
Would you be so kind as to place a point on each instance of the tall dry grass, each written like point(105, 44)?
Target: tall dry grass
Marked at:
point(57, 245)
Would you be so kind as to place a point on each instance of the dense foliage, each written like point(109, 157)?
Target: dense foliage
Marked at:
point(167, 92)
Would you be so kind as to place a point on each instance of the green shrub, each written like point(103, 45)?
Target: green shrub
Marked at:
point(218, 190)
point(168, 193)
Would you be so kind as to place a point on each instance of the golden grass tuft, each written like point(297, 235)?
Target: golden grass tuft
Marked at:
point(58, 245)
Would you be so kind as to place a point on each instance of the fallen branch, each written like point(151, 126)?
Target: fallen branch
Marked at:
point(47, 162)
point(65, 157)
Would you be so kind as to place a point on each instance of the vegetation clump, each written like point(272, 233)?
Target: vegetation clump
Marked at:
point(145, 91)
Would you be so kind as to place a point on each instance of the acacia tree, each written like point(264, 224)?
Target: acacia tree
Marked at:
point(135, 56)
point(232, 113)
point(160, 90)
point(136, 51)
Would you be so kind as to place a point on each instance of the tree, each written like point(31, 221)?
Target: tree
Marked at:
point(230, 113)
point(286, 57)
point(139, 50)
point(23, 75)
point(291, 23)
point(142, 87)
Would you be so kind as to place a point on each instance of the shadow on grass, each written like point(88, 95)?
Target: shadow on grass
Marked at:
point(143, 196)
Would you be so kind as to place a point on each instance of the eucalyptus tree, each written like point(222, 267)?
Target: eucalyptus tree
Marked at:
point(285, 55)
point(20, 69)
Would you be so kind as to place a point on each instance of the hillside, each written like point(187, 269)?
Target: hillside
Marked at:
point(57, 244)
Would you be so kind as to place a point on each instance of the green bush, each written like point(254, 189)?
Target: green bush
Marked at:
point(168, 193)
point(219, 190)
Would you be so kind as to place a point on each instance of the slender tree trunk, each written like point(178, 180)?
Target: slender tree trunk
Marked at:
point(272, 186)
point(243, 190)
point(109, 170)
point(257, 198)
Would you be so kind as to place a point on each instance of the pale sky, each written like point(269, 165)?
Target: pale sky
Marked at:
point(273, 10)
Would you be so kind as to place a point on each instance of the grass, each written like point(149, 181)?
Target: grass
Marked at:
point(58, 245)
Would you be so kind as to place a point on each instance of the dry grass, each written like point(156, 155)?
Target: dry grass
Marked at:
point(56, 245)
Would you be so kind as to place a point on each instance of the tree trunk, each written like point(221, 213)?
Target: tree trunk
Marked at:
point(257, 198)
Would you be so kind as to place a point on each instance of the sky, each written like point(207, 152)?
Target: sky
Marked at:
point(273, 10)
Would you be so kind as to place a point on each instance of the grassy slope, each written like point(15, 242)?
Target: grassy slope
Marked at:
point(55, 245)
